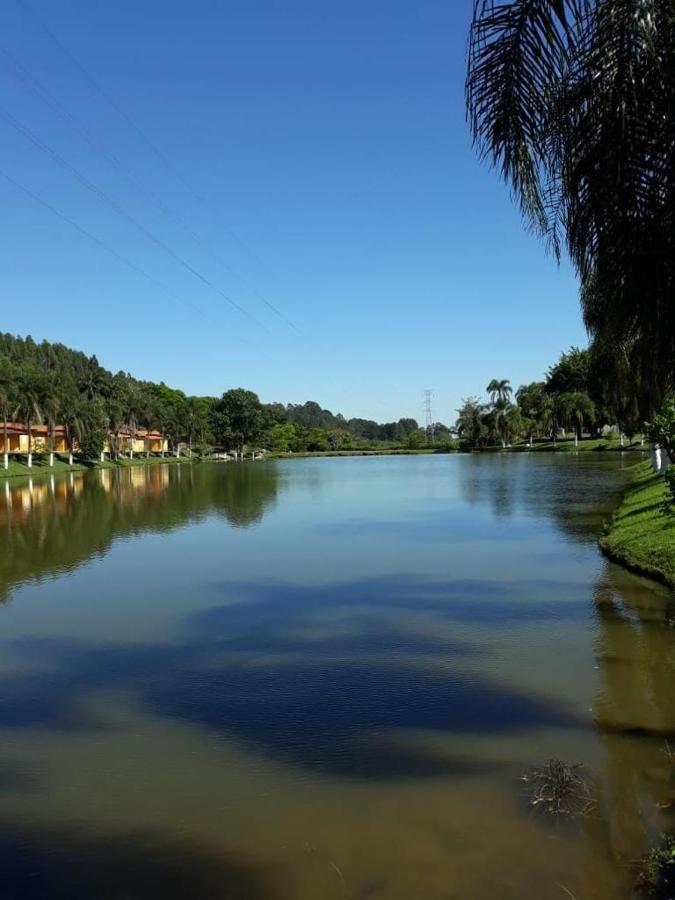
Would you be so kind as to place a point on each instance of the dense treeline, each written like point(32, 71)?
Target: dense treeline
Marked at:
point(580, 394)
point(45, 383)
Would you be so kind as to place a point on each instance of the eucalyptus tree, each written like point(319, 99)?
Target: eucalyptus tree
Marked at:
point(572, 101)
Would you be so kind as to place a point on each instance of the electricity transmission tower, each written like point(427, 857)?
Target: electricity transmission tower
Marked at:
point(428, 397)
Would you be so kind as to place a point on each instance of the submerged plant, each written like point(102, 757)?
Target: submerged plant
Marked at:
point(657, 876)
point(560, 788)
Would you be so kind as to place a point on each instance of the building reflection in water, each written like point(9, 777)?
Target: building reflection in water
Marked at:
point(52, 524)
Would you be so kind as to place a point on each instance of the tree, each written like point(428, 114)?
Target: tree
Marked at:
point(470, 422)
point(317, 440)
point(572, 101)
point(8, 381)
point(73, 421)
point(280, 437)
point(30, 391)
point(93, 432)
point(577, 410)
point(499, 389)
point(51, 404)
point(571, 373)
point(239, 419)
point(549, 418)
point(338, 439)
point(661, 429)
point(416, 439)
point(530, 398)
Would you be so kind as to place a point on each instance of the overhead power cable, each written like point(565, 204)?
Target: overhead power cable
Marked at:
point(37, 141)
point(118, 256)
point(94, 84)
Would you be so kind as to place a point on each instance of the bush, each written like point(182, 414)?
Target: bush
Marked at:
point(92, 443)
point(661, 430)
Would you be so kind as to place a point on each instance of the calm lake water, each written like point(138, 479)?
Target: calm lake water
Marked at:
point(324, 679)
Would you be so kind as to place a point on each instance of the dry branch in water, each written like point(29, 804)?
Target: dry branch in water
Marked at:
point(560, 788)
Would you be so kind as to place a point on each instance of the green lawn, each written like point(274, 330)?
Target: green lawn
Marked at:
point(41, 465)
point(642, 532)
point(567, 445)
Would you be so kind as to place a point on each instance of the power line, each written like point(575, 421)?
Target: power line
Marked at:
point(97, 145)
point(123, 259)
point(118, 208)
point(94, 84)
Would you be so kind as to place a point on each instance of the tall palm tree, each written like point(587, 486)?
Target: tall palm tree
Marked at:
point(51, 405)
point(499, 389)
point(30, 391)
point(8, 378)
point(572, 101)
point(72, 418)
point(549, 418)
point(578, 410)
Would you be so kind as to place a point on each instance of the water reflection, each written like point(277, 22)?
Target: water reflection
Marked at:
point(74, 864)
point(50, 525)
point(635, 712)
point(574, 494)
point(326, 689)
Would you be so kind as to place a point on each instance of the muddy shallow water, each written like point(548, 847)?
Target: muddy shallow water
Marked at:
point(325, 679)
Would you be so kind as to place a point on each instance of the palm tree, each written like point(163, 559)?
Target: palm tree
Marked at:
point(52, 408)
point(499, 390)
point(73, 422)
point(549, 418)
point(7, 393)
point(503, 415)
point(578, 409)
point(30, 392)
point(572, 101)
point(470, 422)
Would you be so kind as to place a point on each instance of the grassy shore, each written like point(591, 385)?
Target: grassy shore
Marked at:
point(642, 532)
point(41, 465)
point(391, 451)
point(567, 445)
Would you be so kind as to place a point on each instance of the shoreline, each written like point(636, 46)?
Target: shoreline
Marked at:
point(40, 469)
point(641, 533)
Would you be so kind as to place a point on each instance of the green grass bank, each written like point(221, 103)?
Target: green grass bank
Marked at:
point(41, 465)
point(641, 534)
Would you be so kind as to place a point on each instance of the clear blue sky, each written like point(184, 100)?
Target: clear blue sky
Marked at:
point(330, 141)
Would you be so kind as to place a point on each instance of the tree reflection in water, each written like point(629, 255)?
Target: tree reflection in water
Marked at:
point(52, 525)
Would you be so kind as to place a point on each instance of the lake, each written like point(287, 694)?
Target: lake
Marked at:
point(324, 679)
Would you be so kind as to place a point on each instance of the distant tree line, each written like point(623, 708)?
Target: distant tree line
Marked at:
point(580, 394)
point(48, 383)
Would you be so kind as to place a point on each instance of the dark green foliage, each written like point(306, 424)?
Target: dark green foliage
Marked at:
point(92, 443)
point(573, 103)
point(50, 383)
point(661, 429)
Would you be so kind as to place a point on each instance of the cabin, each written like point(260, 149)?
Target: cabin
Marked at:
point(17, 438)
point(142, 441)
point(45, 439)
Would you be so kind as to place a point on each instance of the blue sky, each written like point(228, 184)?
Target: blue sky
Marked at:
point(325, 169)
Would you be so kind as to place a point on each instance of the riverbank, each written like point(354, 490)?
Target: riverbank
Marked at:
point(563, 445)
point(41, 465)
point(641, 535)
